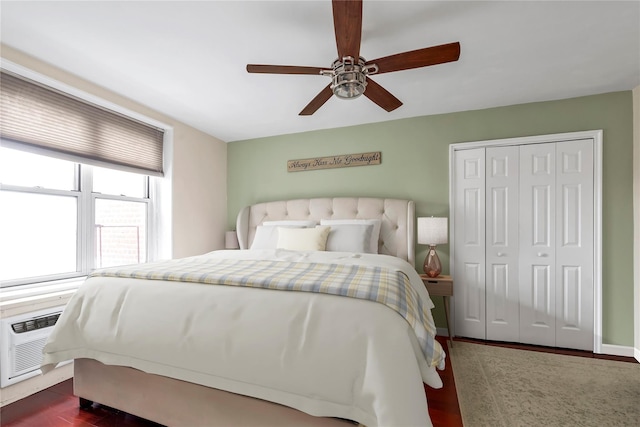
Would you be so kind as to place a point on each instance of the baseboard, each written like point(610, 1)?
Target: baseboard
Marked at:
point(35, 384)
point(619, 350)
point(442, 331)
point(610, 349)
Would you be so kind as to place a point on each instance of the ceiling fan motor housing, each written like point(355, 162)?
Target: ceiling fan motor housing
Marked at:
point(349, 78)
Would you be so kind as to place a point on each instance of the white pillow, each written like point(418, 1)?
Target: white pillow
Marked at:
point(267, 237)
point(350, 238)
point(267, 234)
point(303, 239)
point(306, 223)
point(375, 233)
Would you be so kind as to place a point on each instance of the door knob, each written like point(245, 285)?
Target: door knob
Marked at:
point(540, 254)
point(500, 254)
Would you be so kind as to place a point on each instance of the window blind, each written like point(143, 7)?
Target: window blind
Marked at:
point(40, 116)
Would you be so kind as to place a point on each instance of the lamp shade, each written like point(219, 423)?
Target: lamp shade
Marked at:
point(432, 231)
point(231, 240)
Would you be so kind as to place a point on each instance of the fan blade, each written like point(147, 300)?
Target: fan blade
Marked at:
point(347, 21)
point(317, 102)
point(284, 69)
point(418, 58)
point(381, 96)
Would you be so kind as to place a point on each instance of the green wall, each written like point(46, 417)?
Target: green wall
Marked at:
point(415, 165)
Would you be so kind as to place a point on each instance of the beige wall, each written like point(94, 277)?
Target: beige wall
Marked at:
point(636, 218)
point(199, 177)
point(199, 192)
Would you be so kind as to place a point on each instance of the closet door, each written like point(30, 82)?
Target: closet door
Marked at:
point(502, 251)
point(469, 243)
point(523, 251)
point(574, 245)
point(537, 244)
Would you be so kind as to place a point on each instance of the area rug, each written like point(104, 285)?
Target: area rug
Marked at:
point(500, 386)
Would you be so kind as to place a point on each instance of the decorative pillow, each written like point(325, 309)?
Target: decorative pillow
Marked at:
point(375, 233)
point(303, 239)
point(350, 238)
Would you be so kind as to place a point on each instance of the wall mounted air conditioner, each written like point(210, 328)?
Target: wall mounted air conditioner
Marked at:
point(23, 337)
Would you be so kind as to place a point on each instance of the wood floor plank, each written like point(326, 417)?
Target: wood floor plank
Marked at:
point(443, 403)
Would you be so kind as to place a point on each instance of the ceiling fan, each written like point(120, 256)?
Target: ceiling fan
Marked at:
point(350, 72)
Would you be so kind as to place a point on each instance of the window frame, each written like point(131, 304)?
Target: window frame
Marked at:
point(86, 251)
point(160, 189)
point(150, 206)
point(57, 276)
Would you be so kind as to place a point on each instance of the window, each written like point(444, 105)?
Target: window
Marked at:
point(81, 182)
point(60, 219)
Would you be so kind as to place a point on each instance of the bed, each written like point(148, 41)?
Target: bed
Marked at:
point(265, 336)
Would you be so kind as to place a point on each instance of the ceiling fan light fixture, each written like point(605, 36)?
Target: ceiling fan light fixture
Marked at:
point(348, 85)
point(349, 79)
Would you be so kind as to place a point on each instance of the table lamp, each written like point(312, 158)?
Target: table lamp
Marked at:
point(432, 231)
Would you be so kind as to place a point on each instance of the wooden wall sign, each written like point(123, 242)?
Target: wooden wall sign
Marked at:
point(341, 161)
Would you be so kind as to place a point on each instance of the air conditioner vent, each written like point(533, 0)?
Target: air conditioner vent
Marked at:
point(34, 324)
point(29, 355)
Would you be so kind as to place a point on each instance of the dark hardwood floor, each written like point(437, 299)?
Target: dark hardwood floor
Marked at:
point(57, 407)
point(443, 403)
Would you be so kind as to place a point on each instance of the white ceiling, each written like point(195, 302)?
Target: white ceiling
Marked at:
point(187, 59)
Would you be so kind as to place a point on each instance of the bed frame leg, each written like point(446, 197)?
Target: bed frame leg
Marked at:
point(85, 403)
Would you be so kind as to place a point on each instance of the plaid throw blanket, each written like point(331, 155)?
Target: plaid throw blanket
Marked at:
point(386, 286)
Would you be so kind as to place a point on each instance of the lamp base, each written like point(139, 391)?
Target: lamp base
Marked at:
point(432, 266)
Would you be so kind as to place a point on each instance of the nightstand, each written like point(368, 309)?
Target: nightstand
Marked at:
point(441, 286)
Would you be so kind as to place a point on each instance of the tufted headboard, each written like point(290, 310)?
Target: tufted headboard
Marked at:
point(397, 234)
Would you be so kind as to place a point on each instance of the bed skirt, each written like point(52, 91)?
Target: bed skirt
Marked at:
point(176, 403)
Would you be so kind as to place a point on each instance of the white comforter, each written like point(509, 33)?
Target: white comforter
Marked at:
point(322, 354)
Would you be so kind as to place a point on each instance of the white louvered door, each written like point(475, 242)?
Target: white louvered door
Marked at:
point(523, 253)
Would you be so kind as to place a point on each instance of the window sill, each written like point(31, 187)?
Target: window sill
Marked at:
point(18, 297)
